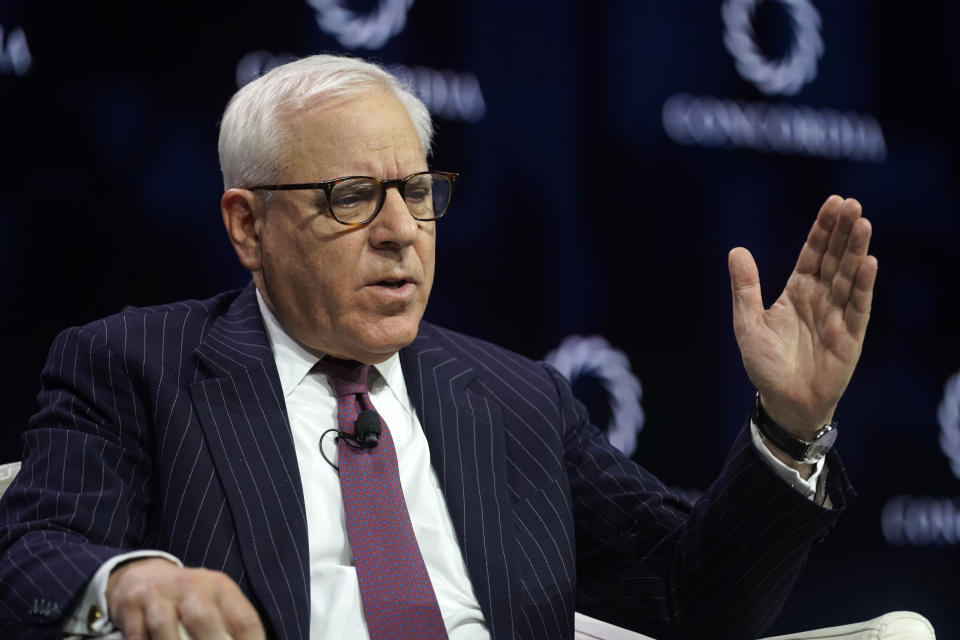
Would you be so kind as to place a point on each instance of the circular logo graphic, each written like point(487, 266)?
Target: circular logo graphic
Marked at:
point(370, 31)
point(15, 52)
point(593, 356)
point(781, 76)
point(948, 414)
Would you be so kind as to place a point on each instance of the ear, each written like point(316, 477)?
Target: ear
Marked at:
point(243, 215)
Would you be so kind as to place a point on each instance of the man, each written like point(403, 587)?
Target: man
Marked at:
point(177, 472)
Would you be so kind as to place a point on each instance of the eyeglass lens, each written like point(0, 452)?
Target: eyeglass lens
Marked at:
point(426, 195)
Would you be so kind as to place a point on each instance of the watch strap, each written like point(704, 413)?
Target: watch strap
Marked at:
point(796, 448)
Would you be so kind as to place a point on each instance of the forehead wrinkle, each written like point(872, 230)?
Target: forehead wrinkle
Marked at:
point(398, 162)
point(345, 142)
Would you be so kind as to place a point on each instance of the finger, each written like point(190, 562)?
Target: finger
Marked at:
point(857, 313)
point(130, 620)
point(161, 620)
point(745, 286)
point(200, 618)
point(849, 213)
point(239, 616)
point(856, 251)
point(185, 635)
point(818, 240)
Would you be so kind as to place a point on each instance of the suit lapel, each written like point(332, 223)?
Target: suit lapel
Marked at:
point(464, 429)
point(244, 419)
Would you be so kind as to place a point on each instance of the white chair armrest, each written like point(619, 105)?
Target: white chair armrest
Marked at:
point(8, 472)
point(897, 625)
point(587, 628)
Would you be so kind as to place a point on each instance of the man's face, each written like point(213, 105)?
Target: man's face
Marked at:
point(350, 292)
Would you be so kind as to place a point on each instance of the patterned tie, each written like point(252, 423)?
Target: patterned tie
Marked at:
point(398, 598)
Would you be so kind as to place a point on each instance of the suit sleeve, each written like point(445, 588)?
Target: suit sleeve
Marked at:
point(648, 560)
point(80, 497)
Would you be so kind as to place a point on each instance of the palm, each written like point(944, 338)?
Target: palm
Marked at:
point(801, 352)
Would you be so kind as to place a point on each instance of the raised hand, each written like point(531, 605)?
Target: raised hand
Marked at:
point(801, 352)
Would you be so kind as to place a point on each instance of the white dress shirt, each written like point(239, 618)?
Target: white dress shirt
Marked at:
point(336, 610)
point(335, 607)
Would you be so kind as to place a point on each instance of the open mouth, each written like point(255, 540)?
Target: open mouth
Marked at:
point(392, 284)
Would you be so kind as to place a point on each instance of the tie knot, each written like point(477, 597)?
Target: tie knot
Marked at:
point(347, 376)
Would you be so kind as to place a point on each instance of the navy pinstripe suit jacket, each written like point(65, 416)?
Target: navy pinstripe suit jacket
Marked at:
point(166, 428)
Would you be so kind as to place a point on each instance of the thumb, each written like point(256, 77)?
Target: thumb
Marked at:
point(745, 284)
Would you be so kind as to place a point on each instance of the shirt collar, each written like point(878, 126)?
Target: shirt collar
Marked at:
point(294, 361)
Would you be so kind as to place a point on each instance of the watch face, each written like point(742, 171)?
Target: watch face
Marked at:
point(820, 446)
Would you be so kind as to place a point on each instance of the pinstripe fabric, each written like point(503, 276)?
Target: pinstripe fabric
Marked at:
point(551, 517)
point(159, 428)
point(165, 428)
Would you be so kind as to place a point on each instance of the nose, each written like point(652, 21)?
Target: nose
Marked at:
point(394, 226)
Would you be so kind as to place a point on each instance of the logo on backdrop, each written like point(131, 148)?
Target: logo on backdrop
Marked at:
point(369, 31)
point(15, 55)
point(784, 76)
point(948, 415)
point(448, 94)
point(580, 357)
point(922, 521)
point(708, 121)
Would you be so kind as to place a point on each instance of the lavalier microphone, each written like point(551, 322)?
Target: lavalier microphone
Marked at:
point(366, 434)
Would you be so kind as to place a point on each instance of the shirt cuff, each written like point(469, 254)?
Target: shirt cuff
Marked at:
point(808, 487)
point(92, 617)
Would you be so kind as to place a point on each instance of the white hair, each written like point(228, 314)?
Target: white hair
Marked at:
point(252, 134)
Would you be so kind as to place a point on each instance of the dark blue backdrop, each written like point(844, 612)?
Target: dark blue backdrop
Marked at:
point(611, 152)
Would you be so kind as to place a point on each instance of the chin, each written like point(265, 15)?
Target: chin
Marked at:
point(386, 338)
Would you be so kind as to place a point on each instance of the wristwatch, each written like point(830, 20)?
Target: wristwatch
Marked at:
point(797, 448)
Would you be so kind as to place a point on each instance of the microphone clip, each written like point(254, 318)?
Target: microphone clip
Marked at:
point(366, 434)
point(365, 440)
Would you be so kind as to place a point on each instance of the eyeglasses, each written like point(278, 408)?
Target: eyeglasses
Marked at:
point(356, 200)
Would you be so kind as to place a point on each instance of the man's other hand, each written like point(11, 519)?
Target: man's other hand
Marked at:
point(801, 352)
point(149, 597)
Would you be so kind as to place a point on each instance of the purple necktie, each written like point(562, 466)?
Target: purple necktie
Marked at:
point(398, 598)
